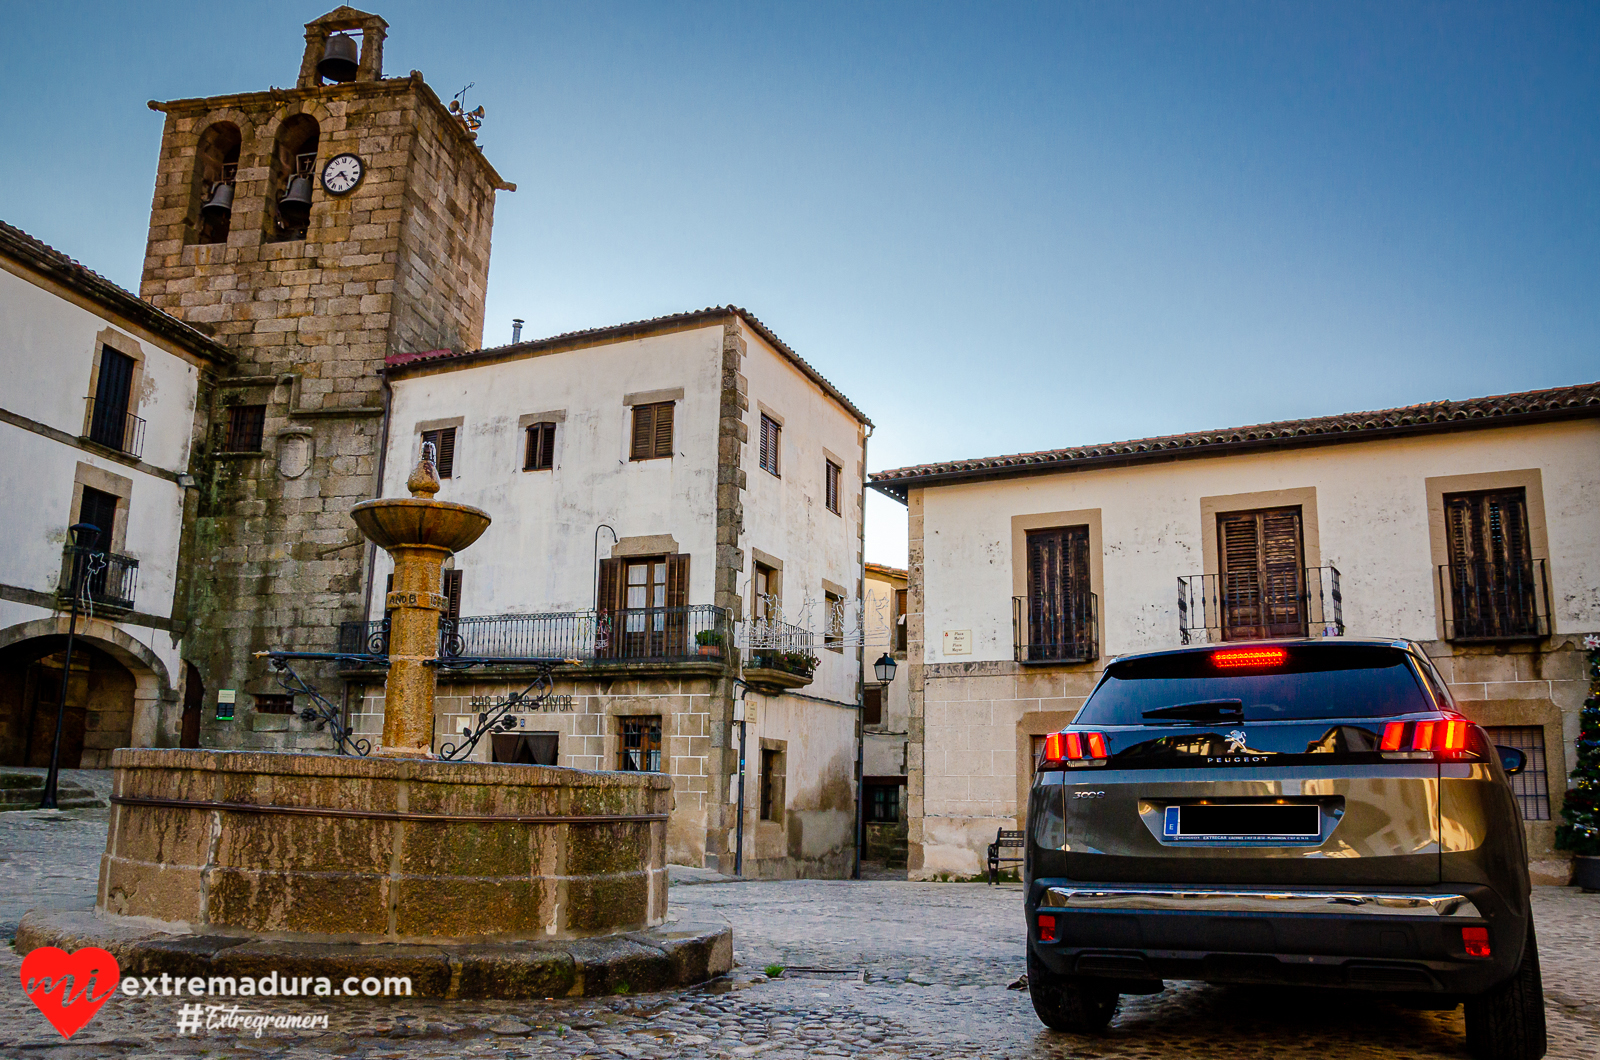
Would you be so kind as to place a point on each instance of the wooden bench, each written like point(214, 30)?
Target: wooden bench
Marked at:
point(1004, 840)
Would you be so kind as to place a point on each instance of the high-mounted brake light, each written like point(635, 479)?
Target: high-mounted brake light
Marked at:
point(1235, 658)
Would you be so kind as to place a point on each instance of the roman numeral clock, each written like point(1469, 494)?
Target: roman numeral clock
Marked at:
point(342, 173)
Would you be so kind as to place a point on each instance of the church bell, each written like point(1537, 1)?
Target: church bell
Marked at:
point(295, 204)
point(220, 202)
point(340, 60)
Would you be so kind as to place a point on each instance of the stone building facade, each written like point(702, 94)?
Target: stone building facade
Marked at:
point(885, 719)
point(1029, 572)
point(677, 506)
point(311, 283)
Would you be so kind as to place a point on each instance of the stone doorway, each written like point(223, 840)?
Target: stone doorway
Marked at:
point(99, 709)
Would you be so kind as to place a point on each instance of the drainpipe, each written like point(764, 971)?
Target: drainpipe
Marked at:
point(861, 667)
point(738, 828)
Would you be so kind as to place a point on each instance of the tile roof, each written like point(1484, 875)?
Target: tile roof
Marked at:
point(885, 569)
point(42, 258)
point(1504, 410)
point(396, 363)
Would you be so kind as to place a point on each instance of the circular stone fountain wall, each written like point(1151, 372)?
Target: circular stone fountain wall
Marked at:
point(381, 849)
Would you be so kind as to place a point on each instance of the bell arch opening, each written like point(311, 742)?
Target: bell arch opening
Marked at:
point(291, 178)
point(216, 166)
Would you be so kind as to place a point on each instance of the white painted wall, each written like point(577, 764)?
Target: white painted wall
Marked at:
point(538, 554)
point(48, 350)
point(1372, 521)
point(786, 515)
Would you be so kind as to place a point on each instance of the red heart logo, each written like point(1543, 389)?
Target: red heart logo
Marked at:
point(63, 984)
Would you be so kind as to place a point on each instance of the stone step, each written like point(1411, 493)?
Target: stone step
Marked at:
point(22, 791)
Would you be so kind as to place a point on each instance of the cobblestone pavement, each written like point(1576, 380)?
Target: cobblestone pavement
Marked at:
point(936, 960)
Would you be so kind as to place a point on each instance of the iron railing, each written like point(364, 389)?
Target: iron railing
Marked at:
point(1249, 605)
point(109, 580)
point(115, 428)
point(631, 635)
point(1490, 601)
point(1045, 630)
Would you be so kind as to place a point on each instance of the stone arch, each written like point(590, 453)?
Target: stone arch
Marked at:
point(152, 685)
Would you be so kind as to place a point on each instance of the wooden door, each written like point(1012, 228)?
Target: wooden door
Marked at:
point(1261, 587)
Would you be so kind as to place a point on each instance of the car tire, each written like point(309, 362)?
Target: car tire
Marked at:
point(1507, 1022)
point(1077, 1006)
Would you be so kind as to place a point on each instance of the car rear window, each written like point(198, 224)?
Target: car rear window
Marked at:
point(1313, 681)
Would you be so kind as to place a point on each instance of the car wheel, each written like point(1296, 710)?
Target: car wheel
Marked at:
point(1507, 1022)
point(1078, 1006)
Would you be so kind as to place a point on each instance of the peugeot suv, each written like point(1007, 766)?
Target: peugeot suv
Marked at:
point(1313, 813)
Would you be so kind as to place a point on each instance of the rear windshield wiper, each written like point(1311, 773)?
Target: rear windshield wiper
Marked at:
point(1205, 710)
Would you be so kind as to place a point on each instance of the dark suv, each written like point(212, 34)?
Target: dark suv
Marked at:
point(1312, 813)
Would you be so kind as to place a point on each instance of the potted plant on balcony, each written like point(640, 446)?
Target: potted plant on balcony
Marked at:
point(1581, 808)
point(797, 662)
point(709, 642)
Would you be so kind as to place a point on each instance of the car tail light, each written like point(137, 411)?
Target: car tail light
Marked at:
point(1074, 745)
point(1393, 733)
point(1096, 742)
point(1430, 739)
point(1235, 658)
point(1055, 748)
point(1475, 939)
point(1422, 738)
point(1455, 736)
point(1080, 749)
point(1047, 931)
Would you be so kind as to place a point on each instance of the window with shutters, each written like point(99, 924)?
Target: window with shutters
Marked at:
point(1531, 786)
point(899, 634)
point(443, 441)
point(109, 419)
point(1060, 607)
point(540, 452)
point(452, 594)
point(872, 705)
point(652, 431)
point(766, 597)
point(640, 740)
point(1492, 581)
point(1261, 586)
point(99, 509)
point(246, 427)
point(831, 487)
point(771, 443)
point(644, 612)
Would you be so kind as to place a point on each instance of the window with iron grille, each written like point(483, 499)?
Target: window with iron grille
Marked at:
point(771, 437)
point(541, 451)
point(1532, 785)
point(444, 449)
point(113, 393)
point(652, 431)
point(246, 424)
point(274, 703)
point(641, 745)
point(832, 490)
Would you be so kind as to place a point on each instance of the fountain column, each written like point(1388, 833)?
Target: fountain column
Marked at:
point(419, 534)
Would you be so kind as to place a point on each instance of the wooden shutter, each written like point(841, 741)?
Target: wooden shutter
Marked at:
point(1263, 570)
point(771, 448)
point(608, 627)
point(1058, 594)
point(1491, 564)
point(444, 444)
point(111, 395)
point(452, 594)
point(663, 429)
point(643, 432)
point(832, 491)
point(679, 620)
point(99, 510)
point(872, 706)
point(540, 454)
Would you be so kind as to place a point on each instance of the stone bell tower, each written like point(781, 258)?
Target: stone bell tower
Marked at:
point(314, 230)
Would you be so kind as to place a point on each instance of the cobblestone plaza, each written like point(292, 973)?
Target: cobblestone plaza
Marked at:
point(903, 970)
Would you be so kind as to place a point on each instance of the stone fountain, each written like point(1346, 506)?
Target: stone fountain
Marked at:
point(475, 879)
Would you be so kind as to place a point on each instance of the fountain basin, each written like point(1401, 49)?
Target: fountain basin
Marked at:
point(398, 522)
point(342, 849)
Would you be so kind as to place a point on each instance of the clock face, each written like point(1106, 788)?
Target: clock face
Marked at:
point(342, 173)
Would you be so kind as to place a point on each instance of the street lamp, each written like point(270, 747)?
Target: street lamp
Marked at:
point(884, 668)
point(84, 536)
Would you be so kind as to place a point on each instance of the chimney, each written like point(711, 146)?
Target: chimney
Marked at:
point(516, 330)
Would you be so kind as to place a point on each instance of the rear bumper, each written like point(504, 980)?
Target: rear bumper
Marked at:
point(1406, 940)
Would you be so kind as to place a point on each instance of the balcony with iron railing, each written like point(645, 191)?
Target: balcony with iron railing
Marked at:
point(108, 580)
point(114, 427)
point(1251, 605)
point(1488, 602)
point(699, 633)
point(1047, 631)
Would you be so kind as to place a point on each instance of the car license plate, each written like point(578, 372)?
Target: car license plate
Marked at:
point(1243, 822)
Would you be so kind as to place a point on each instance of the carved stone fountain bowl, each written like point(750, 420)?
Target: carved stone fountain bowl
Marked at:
point(412, 521)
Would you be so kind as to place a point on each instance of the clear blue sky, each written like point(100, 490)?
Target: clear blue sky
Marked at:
point(997, 227)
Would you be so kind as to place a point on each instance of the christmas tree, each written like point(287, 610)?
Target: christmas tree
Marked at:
point(1581, 832)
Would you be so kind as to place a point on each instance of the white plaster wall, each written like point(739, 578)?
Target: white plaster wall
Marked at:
point(1372, 516)
point(819, 787)
point(538, 554)
point(787, 517)
point(49, 352)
